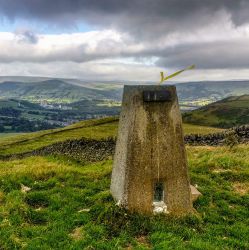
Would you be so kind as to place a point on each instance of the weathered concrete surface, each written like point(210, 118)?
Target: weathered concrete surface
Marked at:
point(150, 149)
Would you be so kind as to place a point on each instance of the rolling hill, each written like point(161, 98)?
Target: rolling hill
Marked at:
point(215, 90)
point(226, 113)
point(54, 90)
point(86, 99)
point(63, 202)
point(35, 89)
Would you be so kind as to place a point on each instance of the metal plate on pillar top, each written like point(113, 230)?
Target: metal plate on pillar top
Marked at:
point(157, 96)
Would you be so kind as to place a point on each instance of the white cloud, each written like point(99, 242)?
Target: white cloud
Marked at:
point(93, 45)
point(105, 70)
point(75, 47)
point(217, 48)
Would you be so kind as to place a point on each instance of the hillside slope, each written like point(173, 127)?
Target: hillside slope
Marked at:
point(226, 113)
point(90, 129)
point(63, 202)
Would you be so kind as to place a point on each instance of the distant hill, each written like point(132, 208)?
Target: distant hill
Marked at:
point(226, 113)
point(191, 95)
point(212, 89)
point(54, 90)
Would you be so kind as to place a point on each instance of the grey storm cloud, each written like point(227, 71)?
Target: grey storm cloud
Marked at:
point(213, 55)
point(146, 21)
point(137, 16)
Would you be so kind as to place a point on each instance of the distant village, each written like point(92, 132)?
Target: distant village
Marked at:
point(45, 104)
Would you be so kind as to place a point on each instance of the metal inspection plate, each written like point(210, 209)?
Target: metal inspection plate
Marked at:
point(157, 96)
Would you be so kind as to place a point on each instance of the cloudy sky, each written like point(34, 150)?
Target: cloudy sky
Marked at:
point(125, 40)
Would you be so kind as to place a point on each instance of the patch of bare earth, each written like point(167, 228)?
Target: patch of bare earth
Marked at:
point(77, 233)
point(142, 241)
point(241, 188)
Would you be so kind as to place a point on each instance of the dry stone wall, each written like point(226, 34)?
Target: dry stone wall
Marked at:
point(84, 150)
point(92, 150)
point(218, 139)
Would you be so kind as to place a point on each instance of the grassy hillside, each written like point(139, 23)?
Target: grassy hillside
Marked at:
point(225, 113)
point(91, 129)
point(9, 135)
point(62, 203)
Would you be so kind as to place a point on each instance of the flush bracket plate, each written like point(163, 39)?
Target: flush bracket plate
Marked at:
point(157, 96)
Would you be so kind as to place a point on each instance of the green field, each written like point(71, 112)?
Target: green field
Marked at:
point(61, 188)
point(91, 129)
point(58, 202)
point(8, 135)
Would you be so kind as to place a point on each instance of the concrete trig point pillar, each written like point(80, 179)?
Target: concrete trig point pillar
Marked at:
point(150, 168)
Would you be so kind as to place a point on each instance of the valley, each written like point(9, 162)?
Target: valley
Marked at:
point(24, 116)
point(29, 104)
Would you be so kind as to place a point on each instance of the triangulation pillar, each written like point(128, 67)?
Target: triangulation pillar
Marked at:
point(150, 171)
